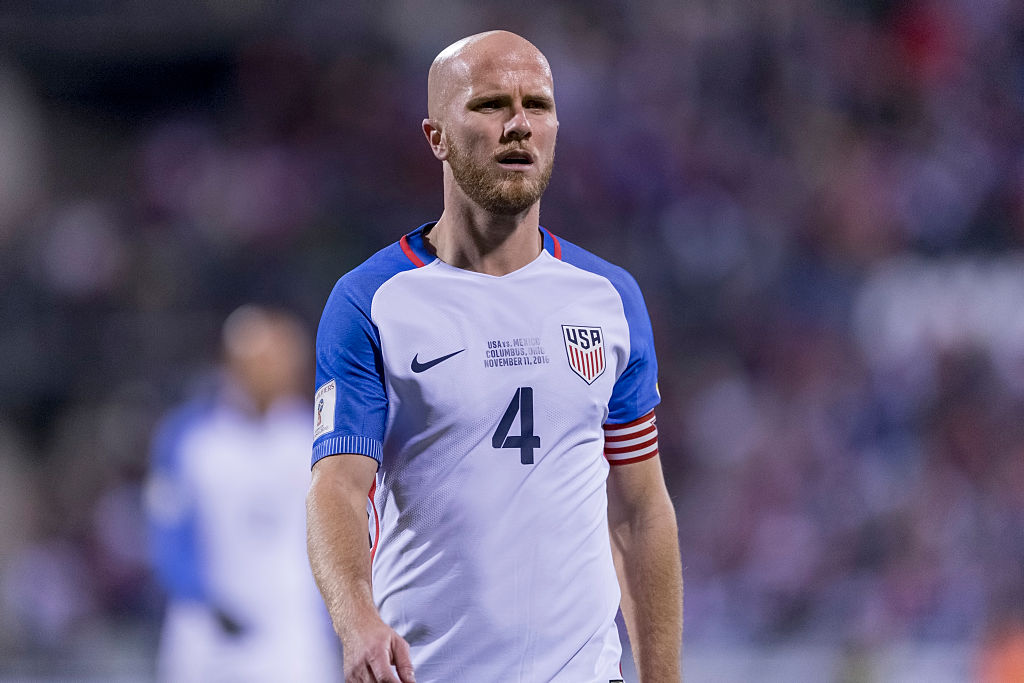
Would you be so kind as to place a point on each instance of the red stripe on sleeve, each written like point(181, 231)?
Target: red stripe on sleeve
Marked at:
point(631, 435)
point(641, 458)
point(624, 425)
point(629, 449)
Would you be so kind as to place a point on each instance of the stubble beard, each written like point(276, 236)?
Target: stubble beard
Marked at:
point(504, 193)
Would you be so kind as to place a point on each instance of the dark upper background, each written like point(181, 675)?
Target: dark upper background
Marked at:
point(822, 201)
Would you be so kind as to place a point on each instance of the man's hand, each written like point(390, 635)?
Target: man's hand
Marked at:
point(372, 650)
point(228, 624)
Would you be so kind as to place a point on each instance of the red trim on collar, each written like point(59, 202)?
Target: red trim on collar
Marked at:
point(407, 248)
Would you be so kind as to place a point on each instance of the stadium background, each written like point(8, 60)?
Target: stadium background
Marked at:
point(823, 202)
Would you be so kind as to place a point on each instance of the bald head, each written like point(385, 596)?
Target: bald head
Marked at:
point(453, 69)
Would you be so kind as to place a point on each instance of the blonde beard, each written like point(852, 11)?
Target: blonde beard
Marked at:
point(504, 193)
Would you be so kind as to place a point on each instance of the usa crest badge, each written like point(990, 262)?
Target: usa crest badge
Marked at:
point(584, 347)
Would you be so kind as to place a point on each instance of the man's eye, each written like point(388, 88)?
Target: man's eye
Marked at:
point(489, 104)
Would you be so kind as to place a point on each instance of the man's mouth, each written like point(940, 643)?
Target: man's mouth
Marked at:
point(516, 157)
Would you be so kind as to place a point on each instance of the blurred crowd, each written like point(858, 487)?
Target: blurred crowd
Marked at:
point(822, 201)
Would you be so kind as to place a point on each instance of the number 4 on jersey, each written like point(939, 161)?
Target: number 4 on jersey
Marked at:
point(526, 442)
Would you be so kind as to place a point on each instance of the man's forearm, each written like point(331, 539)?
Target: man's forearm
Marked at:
point(340, 557)
point(339, 553)
point(650, 575)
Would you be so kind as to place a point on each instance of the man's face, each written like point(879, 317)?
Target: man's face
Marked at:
point(501, 129)
point(267, 356)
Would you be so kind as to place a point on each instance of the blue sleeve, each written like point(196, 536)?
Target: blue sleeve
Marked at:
point(351, 403)
point(636, 391)
point(174, 545)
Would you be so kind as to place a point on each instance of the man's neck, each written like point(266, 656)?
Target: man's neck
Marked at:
point(471, 238)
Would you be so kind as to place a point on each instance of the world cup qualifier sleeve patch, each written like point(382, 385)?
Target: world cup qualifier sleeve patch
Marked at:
point(584, 347)
point(323, 409)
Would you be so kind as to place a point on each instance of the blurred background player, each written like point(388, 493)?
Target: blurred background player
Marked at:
point(225, 501)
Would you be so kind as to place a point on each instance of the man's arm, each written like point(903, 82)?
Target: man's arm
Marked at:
point(645, 545)
point(340, 557)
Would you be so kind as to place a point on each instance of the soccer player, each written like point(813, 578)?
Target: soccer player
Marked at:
point(225, 504)
point(493, 388)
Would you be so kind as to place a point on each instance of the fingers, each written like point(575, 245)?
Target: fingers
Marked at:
point(360, 674)
point(387, 662)
point(402, 659)
point(382, 672)
point(379, 669)
point(369, 672)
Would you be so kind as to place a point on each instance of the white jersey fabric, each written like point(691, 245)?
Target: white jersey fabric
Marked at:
point(227, 517)
point(486, 401)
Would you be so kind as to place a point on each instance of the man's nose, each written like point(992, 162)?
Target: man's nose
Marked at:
point(518, 125)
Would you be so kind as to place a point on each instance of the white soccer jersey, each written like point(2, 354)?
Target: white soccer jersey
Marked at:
point(227, 525)
point(486, 401)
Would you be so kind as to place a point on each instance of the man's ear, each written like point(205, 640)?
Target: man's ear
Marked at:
point(435, 138)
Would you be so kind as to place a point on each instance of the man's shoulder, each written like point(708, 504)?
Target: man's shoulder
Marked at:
point(377, 269)
point(361, 283)
point(620, 278)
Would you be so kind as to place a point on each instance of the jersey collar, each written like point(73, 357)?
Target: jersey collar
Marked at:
point(551, 243)
point(415, 248)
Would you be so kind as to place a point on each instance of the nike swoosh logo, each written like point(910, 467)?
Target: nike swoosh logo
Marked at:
point(417, 366)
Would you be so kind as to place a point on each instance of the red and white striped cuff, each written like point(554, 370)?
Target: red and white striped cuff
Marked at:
point(631, 442)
